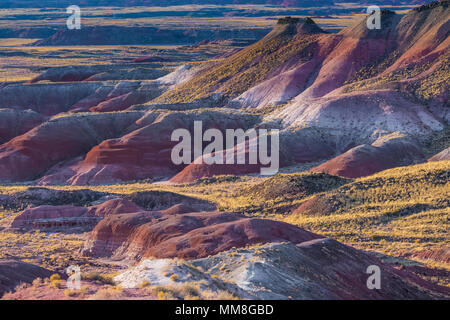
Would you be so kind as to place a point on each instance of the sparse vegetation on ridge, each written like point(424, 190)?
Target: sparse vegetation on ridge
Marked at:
point(235, 75)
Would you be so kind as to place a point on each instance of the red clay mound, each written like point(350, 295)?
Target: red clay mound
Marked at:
point(13, 273)
point(52, 217)
point(142, 154)
point(187, 236)
point(114, 206)
point(45, 217)
point(14, 123)
point(26, 157)
point(143, 94)
point(104, 93)
point(366, 160)
point(442, 156)
point(196, 171)
point(135, 156)
point(179, 209)
point(65, 74)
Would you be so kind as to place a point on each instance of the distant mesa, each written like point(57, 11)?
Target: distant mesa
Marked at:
point(70, 74)
point(121, 35)
point(288, 20)
point(102, 72)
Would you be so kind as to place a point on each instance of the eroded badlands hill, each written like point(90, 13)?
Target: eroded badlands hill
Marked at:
point(363, 100)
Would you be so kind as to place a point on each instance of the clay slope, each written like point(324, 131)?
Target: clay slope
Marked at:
point(442, 156)
point(332, 93)
point(144, 153)
point(162, 3)
point(365, 160)
point(305, 145)
point(438, 254)
point(14, 123)
point(45, 98)
point(184, 235)
point(91, 88)
point(204, 166)
point(13, 273)
point(321, 269)
point(118, 96)
point(401, 67)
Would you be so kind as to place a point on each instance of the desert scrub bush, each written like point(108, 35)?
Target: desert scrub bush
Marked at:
point(107, 294)
point(220, 295)
point(71, 293)
point(385, 80)
point(437, 83)
point(163, 292)
point(55, 281)
point(163, 295)
point(21, 286)
point(100, 278)
point(54, 277)
point(37, 282)
point(84, 290)
point(189, 289)
point(144, 284)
